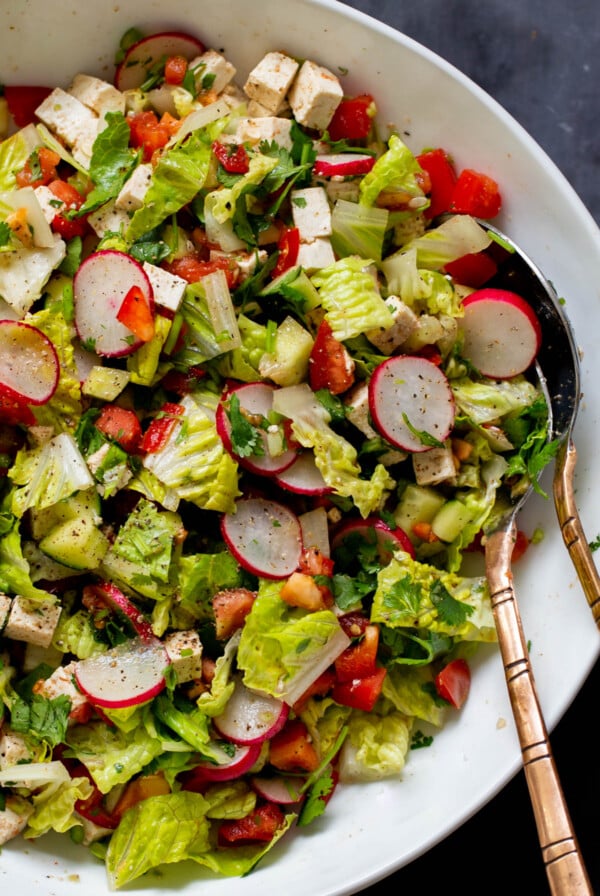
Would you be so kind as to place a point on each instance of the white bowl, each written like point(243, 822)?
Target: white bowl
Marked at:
point(369, 831)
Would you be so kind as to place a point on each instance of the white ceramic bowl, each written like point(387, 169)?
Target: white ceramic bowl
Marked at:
point(370, 831)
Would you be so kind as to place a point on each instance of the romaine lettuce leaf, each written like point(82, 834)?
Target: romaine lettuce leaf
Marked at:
point(349, 295)
point(376, 746)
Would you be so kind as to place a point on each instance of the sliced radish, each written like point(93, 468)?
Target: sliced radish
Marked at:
point(373, 530)
point(114, 598)
point(29, 366)
point(264, 536)
point(256, 400)
point(147, 52)
point(282, 789)
point(502, 334)
point(99, 287)
point(236, 762)
point(126, 675)
point(343, 163)
point(411, 402)
point(303, 476)
point(251, 717)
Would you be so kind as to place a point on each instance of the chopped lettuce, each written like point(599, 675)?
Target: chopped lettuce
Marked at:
point(395, 171)
point(376, 746)
point(358, 229)
point(349, 295)
point(111, 755)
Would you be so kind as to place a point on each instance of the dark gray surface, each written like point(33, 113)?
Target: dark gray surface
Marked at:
point(541, 60)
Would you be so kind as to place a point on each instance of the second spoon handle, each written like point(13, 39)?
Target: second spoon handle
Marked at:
point(571, 527)
point(565, 870)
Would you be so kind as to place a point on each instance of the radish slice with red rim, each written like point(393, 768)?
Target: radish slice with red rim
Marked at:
point(116, 600)
point(411, 402)
point(343, 163)
point(251, 717)
point(147, 52)
point(372, 530)
point(256, 399)
point(237, 760)
point(264, 536)
point(303, 476)
point(29, 366)
point(282, 789)
point(126, 675)
point(502, 334)
point(99, 287)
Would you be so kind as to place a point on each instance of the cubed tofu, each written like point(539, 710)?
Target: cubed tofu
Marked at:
point(5, 602)
point(98, 95)
point(108, 219)
point(245, 262)
point(132, 195)
point(405, 323)
point(311, 213)
point(270, 128)
point(14, 817)
point(61, 684)
point(184, 650)
point(49, 203)
point(72, 121)
point(315, 255)
point(212, 71)
point(314, 96)
point(168, 288)
point(32, 621)
point(255, 110)
point(14, 749)
point(433, 466)
point(24, 273)
point(270, 80)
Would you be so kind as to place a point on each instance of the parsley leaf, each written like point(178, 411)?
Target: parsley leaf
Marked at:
point(112, 162)
point(245, 438)
point(451, 611)
point(42, 718)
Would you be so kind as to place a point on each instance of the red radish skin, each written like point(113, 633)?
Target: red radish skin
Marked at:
point(114, 598)
point(126, 675)
point(303, 477)
point(345, 164)
point(141, 56)
point(99, 287)
point(264, 536)
point(29, 366)
point(243, 758)
point(286, 790)
point(374, 529)
point(502, 334)
point(411, 402)
point(251, 717)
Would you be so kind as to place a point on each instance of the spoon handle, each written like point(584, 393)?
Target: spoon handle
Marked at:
point(565, 870)
point(571, 527)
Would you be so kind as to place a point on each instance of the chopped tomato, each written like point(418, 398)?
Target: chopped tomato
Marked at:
point(63, 225)
point(288, 247)
point(22, 102)
point(192, 268)
point(475, 194)
point(453, 682)
point(359, 659)
point(150, 133)
point(331, 366)
point(315, 563)
point(319, 688)
point(292, 749)
point(231, 606)
point(301, 590)
point(520, 546)
point(473, 269)
point(39, 169)
point(260, 825)
point(182, 383)
point(353, 118)
point(121, 425)
point(442, 178)
point(160, 428)
point(430, 353)
point(175, 69)
point(232, 156)
point(360, 693)
point(136, 314)
point(140, 789)
point(354, 623)
point(92, 808)
point(13, 411)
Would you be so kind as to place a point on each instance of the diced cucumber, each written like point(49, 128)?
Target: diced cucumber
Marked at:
point(42, 568)
point(105, 382)
point(418, 504)
point(450, 520)
point(76, 543)
point(288, 364)
point(84, 503)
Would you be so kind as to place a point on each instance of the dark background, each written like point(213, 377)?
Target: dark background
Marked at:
point(541, 60)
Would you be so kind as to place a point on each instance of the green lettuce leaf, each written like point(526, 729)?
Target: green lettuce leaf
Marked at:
point(112, 756)
point(376, 746)
point(396, 170)
point(350, 297)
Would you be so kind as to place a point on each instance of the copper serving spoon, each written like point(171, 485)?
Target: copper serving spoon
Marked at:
point(557, 370)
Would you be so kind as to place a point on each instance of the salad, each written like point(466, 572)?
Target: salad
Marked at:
point(259, 396)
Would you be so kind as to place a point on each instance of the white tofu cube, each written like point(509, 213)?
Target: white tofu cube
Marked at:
point(270, 128)
point(14, 817)
point(255, 110)
point(70, 120)
point(32, 621)
point(13, 749)
point(433, 466)
point(108, 219)
point(184, 650)
point(405, 323)
point(135, 188)
point(212, 71)
point(5, 602)
point(61, 684)
point(311, 213)
point(245, 262)
point(98, 95)
point(49, 203)
point(315, 95)
point(270, 80)
point(316, 255)
point(168, 288)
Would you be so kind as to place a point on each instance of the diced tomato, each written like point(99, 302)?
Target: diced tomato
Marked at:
point(39, 169)
point(140, 789)
point(360, 693)
point(424, 531)
point(231, 606)
point(453, 682)
point(292, 749)
point(473, 269)
point(353, 118)
point(319, 688)
point(430, 353)
point(175, 69)
point(66, 227)
point(520, 546)
point(442, 176)
point(315, 563)
point(136, 314)
point(160, 428)
point(150, 133)
point(301, 590)
point(13, 411)
point(354, 623)
point(288, 247)
point(476, 194)
point(121, 425)
point(192, 268)
point(22, 102)
point(359, 660)
point(92, 808)
point(182, 383)
point(260, 825)
point(232, 156)
point(331, 366)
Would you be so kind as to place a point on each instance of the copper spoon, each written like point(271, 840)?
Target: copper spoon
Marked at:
point(558, 373)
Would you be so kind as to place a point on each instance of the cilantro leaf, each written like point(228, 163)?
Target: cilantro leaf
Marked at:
point(44, 719)
point(245, 438)
point(111, 163)
point(451, 611)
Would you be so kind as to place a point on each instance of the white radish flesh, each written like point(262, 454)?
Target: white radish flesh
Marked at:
point(147, 52)
point(126, 675)
point(251, 717)
point(303, 476)
point(282, 789)
point(343, 163)
point(99, 287)
point(233, 766)
point(264, 536)
point(29, 367)
point(502, 334)
point(411, 402)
